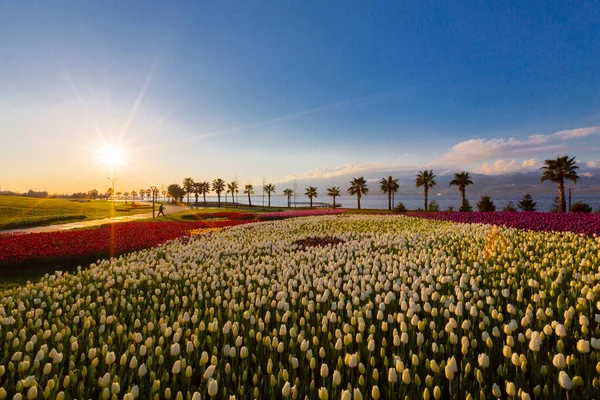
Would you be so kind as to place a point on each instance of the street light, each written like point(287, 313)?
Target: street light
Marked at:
point(154, 189)
point(113, 189)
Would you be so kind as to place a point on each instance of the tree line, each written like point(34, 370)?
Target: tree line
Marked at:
point(555, 170)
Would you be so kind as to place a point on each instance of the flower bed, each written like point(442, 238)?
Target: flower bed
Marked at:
point(398, 307)
point(588, 224)
point(303, 213)
point(91, 244)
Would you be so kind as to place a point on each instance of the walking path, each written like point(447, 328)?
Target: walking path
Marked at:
point(169, 209)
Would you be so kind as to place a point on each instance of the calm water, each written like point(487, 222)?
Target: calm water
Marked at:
point(412, 202)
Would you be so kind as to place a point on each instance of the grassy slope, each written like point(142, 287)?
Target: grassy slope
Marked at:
point(211, 210)
point(18, 212)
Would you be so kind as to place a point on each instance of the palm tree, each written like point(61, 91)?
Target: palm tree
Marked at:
point(288, 193)
point(334, 192)
point(462, 180)
point(133, 195)
point(394, 189)
point(268, 189)
point(557, 171)
point(126, 194)
point(142, 192)
point(218, 185)
point(311, 192)
point(197, 190)
point(249, 189)
point(165, 192)
point(389, 186)
point(233, 188)
point(358, 187)
point(188, 186)
point(148, 193)
point(118, 195)
point(204, 189)
point(427, 180)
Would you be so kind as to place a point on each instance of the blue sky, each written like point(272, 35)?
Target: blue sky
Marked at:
point(283, 90)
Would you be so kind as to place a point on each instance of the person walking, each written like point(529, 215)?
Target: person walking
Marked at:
point(161, 210)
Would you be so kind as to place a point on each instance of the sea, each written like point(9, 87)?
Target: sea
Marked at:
point(410, 201)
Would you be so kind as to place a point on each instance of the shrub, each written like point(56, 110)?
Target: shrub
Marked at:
point(450, 209)
point(509, 207)
point(555, 205)
point(527, 203)
point(581, 207)
point(486, 204)
point(400, 208)
point(433, 206)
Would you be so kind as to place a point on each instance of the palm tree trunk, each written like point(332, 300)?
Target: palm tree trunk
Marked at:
point(358, 198)
point(249, 201)
point(269, 199)
point(389, 200)
point(311, 202)
point(196, 199)
point(204, 195)
point(561, 195)
point(425, 191)
point(334, 202)
point(219, 198)
point(463, 193)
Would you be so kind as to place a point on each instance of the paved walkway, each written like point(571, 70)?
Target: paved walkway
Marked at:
point(170, 209)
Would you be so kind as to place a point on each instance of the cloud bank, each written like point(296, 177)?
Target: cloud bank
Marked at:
point(486, 156)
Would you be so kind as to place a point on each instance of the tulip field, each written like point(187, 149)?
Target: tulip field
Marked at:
point(320, 307)
point(587, 224)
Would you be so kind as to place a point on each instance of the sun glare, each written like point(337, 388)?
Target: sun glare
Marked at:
point(111, 155)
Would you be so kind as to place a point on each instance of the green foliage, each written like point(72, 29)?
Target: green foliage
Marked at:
point(581, 207)
point(450, 209)
point(176, 192)
point(400, 208)
point(433, 206)
point(358, 187)
point(559, 170)
point(486, 204)
point(527, 203)
point(510, 207)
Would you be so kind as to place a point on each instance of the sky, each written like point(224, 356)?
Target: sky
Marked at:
point(284, 90)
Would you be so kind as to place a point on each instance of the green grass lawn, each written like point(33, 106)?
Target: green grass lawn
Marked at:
point(21, 212)
point(181, 216)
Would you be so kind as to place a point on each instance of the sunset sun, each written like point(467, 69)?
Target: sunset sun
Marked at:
point(111, 155)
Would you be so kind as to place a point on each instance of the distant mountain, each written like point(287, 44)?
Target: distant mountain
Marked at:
point(511, 183)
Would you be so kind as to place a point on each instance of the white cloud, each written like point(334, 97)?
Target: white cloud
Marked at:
point(340, 170)
point(593, 164)
point(479, 150)
point(587, 174)
point(575, 133)
point(506, 166)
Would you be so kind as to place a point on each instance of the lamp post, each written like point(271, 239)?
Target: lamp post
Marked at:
point(113, 189)
point(153, 189)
